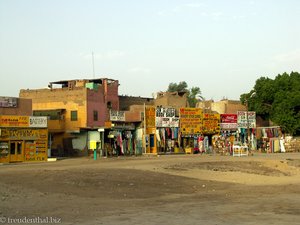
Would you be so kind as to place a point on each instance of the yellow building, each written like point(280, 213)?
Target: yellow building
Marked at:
point(77, 110)
point(23, 138)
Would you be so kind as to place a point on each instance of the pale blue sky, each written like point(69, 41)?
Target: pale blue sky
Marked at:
point(221, 46)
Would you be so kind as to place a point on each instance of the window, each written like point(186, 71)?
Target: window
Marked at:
point(74, 116)
point(95, 115)
point(109, 105)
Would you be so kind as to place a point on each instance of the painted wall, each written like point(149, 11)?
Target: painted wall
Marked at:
point(222, 107)
point(61, 98)
point(126, 102)
point(98, 100)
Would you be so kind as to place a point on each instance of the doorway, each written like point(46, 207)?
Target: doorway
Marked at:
point(16, 151)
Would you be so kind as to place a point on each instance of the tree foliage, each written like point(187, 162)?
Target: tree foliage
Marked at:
point(180, 87)
point(277, 100)
point(193, 94)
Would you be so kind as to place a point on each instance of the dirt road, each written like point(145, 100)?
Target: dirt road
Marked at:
point(181, 189)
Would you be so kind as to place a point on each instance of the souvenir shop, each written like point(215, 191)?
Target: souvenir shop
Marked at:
point(167, 139)
point(223, 142)
point(269, 139)
point(166, 124)
point(119, 139)
point(190, 137)
point(228, 132)
point(23, 139)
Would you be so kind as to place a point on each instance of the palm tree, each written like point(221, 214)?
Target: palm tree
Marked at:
point(193, 94)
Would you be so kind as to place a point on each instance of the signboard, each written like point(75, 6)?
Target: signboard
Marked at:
point(117, 115)
point(14, 121)
point(165, 117)
point(24, 134)
point(23, 121)
point(228, 118)
point(38, 121)
point(244, 121)
point(228, 126)
point(228, 121)
point(167, 122)
point(190, 120)
point(150, 116)
point(165, 112)
point(211, 123)
point(8, 102)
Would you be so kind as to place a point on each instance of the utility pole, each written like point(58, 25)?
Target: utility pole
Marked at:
point(93, 65)
point(144, 131)
point(248, 125)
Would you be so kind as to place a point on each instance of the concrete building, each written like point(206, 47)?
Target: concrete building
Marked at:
point(23, 137)
point(126, 102)
point(175, 100)
point(224, 106)
point(77, 110)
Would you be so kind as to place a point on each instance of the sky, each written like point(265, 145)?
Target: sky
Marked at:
point(220, 46)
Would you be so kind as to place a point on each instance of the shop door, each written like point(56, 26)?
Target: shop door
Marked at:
point(16, 151)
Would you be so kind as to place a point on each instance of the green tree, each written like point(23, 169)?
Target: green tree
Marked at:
point(180, 87)
point(277, 100)
point(193, 94)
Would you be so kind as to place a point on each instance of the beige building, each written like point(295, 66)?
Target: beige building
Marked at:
point(175, 100)
point(224, 106)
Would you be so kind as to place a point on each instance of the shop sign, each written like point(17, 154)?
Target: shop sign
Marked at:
point(150, 116)
point(228, 118)
point(165, 117)
point(228, 126)
point(190, 120)
point(38, 121)
point(117, 115)
point(167, 122)
point(211, 123)
point(244, 121)
point(165, 112)
point(14, 121)
point(24, 133)
point(228, 121)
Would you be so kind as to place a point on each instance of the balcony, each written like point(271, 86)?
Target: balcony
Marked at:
point(56, 126)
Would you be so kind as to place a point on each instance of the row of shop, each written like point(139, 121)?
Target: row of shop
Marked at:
point(197, 132)
point(26, 138)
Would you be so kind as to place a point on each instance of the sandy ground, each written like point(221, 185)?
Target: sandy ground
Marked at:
point(173, 189)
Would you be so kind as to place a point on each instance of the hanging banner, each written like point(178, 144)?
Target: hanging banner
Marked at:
point(190, 120)
point(246, 119)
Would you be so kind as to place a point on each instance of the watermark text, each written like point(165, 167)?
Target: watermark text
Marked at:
point(30, 220)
